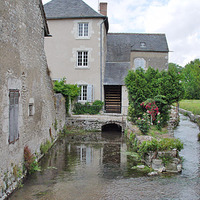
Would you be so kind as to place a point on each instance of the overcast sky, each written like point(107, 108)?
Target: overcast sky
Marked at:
point(178, 19)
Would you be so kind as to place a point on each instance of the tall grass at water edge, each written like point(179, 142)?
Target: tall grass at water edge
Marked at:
point(191, 105)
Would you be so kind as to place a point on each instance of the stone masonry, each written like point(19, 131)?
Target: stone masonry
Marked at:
point(26, 88)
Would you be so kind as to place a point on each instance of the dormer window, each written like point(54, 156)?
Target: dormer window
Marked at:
point(142, 44)
point(83, 29)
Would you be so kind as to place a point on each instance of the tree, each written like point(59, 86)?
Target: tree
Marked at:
point(163, 87)
point(191, 74)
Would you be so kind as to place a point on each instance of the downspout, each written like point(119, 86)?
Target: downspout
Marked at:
point(101, 57)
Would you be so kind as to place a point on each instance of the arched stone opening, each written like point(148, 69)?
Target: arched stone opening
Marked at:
point(112, 127)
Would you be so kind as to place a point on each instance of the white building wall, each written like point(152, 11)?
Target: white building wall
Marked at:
point(61, 50)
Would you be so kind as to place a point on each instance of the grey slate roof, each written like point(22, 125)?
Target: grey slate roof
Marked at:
point(115, 73)
point(120, 45)
point(62, 9)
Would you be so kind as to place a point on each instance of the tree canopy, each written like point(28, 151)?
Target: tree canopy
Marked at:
point(165, 87)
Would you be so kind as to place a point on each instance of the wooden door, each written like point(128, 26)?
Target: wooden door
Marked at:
point(112, 99)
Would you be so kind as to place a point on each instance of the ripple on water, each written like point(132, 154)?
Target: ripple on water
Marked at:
point(102, 171)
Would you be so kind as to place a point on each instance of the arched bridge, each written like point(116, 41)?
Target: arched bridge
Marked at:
point(96, 122)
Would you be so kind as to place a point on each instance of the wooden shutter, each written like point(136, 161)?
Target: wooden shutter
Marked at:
point(90, 93)
point(13, 115)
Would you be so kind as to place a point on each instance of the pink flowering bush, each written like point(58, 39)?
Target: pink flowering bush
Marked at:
point(143, 123)
point(152, 109)
point(159, 124)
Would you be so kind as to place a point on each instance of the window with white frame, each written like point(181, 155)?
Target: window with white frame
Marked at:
point(83, 93)
point(83, 29)
point(82, 58)
point(86, 93)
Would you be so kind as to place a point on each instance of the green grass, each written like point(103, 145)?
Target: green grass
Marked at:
point(156, 133)
point(191, 105)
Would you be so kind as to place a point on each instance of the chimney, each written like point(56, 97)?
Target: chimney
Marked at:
point(103, 8)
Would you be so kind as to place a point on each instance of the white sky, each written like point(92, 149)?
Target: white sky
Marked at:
point(178, 19)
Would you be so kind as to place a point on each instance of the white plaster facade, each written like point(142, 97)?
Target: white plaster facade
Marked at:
point(61, 50)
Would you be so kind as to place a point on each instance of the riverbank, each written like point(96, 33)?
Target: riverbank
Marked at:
point(159, 149)
point(193, 118)
point(190, 105)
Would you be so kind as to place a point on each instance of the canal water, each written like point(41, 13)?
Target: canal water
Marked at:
point(91, 170)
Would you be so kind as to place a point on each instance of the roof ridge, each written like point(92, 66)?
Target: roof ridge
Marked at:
point(70, 8)
point(136, 33)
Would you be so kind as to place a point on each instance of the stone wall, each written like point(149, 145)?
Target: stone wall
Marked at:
point(154, 159)
point(23, 68)
point(95, 122)
point(157, 60)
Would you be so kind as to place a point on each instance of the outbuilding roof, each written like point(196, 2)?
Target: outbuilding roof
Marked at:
point(119, 48)
point(115, 73)
point(120, 45)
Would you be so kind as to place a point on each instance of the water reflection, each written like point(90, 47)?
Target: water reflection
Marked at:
point(102, 170)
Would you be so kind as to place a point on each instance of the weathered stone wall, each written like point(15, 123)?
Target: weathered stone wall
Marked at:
point(157, 60)
point(23, 67)
point(95, 122)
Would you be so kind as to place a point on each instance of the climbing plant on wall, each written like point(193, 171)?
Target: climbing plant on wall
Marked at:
point(69, 91)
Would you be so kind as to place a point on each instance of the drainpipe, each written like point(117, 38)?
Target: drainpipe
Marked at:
point(101, 57)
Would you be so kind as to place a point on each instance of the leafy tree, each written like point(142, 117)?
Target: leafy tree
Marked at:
point(177, 67)
point(191, 74)
point(163, 87)
point(171, 85)
point(137, 89)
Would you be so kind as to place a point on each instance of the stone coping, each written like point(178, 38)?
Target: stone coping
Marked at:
point(193, 118)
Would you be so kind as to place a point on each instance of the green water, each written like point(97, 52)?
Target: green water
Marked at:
point(91, 170)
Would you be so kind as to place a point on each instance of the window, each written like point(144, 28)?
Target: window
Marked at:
point(86, 93)
point(83, 29)
point(142, 44)
point(82, 58)
point(13, 115)
point(83, 93)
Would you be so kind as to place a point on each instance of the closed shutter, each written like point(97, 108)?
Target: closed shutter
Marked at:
point(90, 93)
point(13, 115)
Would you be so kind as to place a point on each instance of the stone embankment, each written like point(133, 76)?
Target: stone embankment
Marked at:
point(193, 118)
point(153, 159)
point(95, 122)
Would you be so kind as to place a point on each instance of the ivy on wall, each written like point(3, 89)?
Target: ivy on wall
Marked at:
point(69, 91)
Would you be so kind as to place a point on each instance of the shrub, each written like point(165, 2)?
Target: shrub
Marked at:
point(87, 108)
point(143, 123)
point(30, 163)
point(45, 147)
point(163, 87)
point(165, 144)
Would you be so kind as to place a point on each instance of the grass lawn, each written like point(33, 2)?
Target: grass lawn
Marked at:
point(191, 105)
